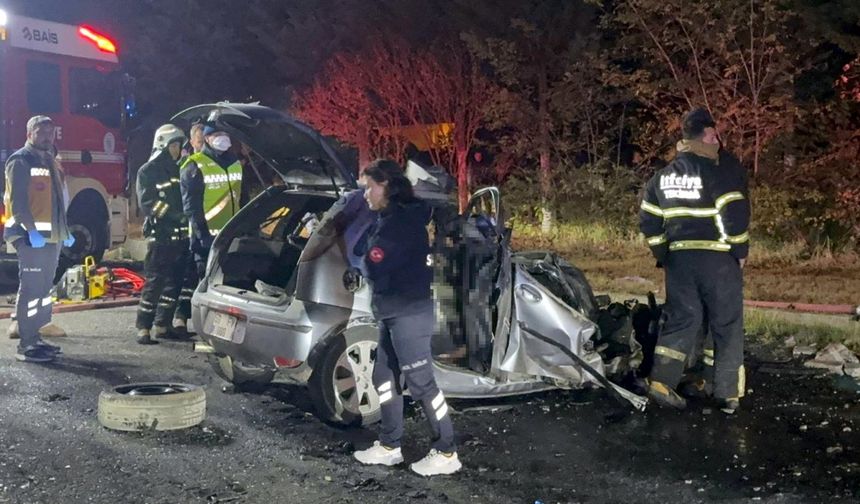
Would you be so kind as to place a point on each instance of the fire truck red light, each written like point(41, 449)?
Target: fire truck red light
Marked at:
point(103, 43)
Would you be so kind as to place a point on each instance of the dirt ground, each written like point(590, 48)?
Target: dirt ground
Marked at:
point(796, 439)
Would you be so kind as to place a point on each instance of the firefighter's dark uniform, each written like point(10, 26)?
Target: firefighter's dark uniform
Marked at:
point(166, 230)
point(211, 194)
point(700, 377)
point(395, 263)
point(695, 215)
point(35, 199)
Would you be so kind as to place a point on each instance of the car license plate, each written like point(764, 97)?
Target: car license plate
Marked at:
point(223, 326)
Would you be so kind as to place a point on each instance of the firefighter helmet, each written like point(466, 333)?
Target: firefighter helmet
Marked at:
point(164, 136)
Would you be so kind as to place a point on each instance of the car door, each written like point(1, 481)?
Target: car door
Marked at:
point(483, 260)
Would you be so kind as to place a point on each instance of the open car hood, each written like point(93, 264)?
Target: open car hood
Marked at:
point(299, 153)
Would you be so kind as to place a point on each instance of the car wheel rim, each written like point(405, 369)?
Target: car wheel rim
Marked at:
point(353, 380)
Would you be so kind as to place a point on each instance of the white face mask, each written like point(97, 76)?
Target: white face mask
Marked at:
point(220, 143)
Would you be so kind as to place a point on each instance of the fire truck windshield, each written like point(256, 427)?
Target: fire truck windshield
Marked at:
point(96, 93)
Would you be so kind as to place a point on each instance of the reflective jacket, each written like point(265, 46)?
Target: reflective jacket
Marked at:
point(395, 260)
point(160, 198)
point(696, 203)
point(36, 196)
point(211, 193)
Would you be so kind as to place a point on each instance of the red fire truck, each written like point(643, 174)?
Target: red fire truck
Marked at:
point(72, 74)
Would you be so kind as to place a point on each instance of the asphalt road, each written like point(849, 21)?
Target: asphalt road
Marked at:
point(796, 440)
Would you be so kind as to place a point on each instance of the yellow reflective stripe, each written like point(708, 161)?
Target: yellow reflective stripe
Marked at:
point(741, 238)
point(709, 361)
point(651, 208)
point(215, 210)
point(670, 353)
point(656, 240)
point(689, 212)
point(718, 221)
point(709, 352)
point(742, 381)
point(700, 245)
point(727, 198)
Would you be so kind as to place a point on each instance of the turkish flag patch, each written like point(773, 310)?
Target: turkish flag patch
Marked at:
point(376, 255)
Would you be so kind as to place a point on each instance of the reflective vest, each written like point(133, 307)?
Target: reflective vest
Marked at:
point(222, 190)
point(40, 194)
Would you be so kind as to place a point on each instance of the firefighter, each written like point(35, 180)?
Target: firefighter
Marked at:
point(36, 200)
point(166, 231)
point(694, 215)
point(395, 262)
point(211, 183)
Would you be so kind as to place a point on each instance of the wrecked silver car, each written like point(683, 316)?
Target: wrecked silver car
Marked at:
point(275, 298)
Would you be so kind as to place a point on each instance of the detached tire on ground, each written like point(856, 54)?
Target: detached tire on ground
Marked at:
point(239, 373)
point(341, 385)
point(156, 406)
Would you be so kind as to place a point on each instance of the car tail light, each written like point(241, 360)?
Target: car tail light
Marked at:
point(236, 313)
point(283, 362)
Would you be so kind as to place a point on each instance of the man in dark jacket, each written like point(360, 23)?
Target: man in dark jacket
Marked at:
point(166, 230)
point(694, 214)
point(211, 181)
point(36, 199)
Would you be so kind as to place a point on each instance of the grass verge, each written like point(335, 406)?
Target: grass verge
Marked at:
point(772, 326)
point(615, 261)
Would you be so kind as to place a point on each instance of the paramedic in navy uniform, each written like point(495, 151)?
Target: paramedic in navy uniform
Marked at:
point(395, 263)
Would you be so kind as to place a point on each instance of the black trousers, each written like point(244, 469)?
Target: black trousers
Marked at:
point(163, 268)
point(194, 267)
point(699, 281)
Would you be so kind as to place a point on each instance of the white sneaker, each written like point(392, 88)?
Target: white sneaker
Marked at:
point(378, 454)
point(437, 462)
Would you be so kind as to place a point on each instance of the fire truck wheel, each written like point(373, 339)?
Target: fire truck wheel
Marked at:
point(88, 227)
point(152, 406)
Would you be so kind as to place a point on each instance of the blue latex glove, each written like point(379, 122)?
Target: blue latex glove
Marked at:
point(68, 242)
point(36, 239)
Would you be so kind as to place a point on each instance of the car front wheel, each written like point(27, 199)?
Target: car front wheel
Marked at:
point(341, 384)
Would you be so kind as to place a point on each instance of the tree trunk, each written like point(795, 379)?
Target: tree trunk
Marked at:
point(364, 156)
point(757, 148)
point(463, 179)
point(548, 218)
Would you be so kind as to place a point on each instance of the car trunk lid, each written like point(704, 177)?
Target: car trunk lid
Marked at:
point(299, 154)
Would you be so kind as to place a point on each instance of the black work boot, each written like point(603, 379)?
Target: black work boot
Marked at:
point(664, 396)
point(169, 333)
point(696, 389)
point(143, 337)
